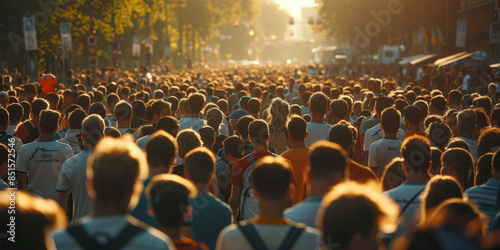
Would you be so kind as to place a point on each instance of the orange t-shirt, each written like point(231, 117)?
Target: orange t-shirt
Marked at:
point(360, 173)
point(299, 159)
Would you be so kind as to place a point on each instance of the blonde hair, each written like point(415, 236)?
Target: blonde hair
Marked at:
point(187, 140)
point(278, 113)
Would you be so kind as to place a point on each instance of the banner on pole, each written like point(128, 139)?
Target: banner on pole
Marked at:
point(136, 46)
point(66, 35)
point(29, 33)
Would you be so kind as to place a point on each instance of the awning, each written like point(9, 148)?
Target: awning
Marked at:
point(456, 59)
point(442, 60)
point(422, 59)
point(407, 60)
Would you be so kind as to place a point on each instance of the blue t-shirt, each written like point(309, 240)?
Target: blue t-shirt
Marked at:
point(140, 212)
point(210, 216)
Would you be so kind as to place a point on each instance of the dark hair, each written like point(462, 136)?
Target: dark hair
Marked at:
point(439, 134)
point(342, 134)
point(38, 105)
point(318, 103)
point(174, 103)
point(158, 106)
point(254, 105)
point(489, 141)
point(393, 174)
point(233, 146)
point(495, 162)
point(196, 102)
point(76, 118)
point(207, 135)
point(16, 112)
point(27, 110)
point(297, 127)
point(383, 103)
point(200, 163)
point(390, 120)
point(424, 108)
point(438, 189)
point(495, 116)
point(327, 160)
point(455, 97)
point(139, 108)
point(466, 121)
point(4, 117)
point(223, 105)
point(339, 108)
point(83, 101)
point(483, 172)
point(431, 119)
point(242, 125)
point(439, 103)
point(99, 109)
point(123, 111)
point(161, 150)
point(413, 114)
point(258, 131)
point(49, 121)
point(458, 143)
point(167, 124)
point(271, 177)
point(462, 162)
point(416, 151)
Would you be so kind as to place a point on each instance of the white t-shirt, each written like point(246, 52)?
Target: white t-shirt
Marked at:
point(472, 146)
point(111, 226)
point(193, 122)
point(382, 152)
point(11, 129)
point(402, 195)
point(317, 131)
point(73, 176)
point(42, 161)
point(374, 134)
point(71, 140)
point(305, 212)
point(465, 82)
point(272, 235)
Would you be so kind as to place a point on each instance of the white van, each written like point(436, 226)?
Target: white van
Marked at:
point(388, 54)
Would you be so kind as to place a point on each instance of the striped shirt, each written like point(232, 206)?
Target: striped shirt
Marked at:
point(485, 196)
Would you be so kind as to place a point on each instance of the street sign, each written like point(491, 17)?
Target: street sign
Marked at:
point(29, 33)
point(136, 46)
point(91, 39)
point(149, 45)
point(66, 35)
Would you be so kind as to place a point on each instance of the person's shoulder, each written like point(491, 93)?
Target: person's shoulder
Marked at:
point(152, 238)
point(229, 232)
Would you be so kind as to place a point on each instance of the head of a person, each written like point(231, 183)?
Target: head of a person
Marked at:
point(233, 147)
point(169, 197)
point(83, 101)
point(123, 111)
point(38, 105)
point(328, 163)
point(383, 102)
point(278, 111)
point(16, 112)
point(242, 126)
point(49, 121)
point(438, 105)
point(351, 215)
point(112, 132)
point(254, 106)
point(4, 118)
point(390, 120)
point(35, 218)
point(98, 108)
point(207, 135)
point(159, 109)
point(214, 119)
point(76, 117)
point(455, 98)
point(196, 101)
point(393, 175)
point(114, 173)
point(271, 179)
point(199, 165)
point(318, 103)
point(297, 129)
point(92, 129)
point(168, 124)
point(457, 162)
point(494, 117)
point(424, 108)
point(466, 122)
point(339, 109)
point(343, 134)
point(412, 114)
point(258, 132)
point(484, 169)
point(483, 102)
point(416, 152)
point(161, 150)
point(439, 134)
point(188, 140)
point(438, 189)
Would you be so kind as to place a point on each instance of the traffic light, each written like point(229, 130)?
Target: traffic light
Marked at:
point(291, 21)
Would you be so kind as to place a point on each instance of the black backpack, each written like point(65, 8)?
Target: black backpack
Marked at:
point(87, 242)
point(34, 133)
point(4, 139)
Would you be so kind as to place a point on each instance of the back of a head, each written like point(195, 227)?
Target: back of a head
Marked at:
point(339, 108)
point(93, 129)
point(207, 135)
point(199, 163)
point(297, 128)
point(351, 208)
point(115, 170)
point(439, 134)
point(439, 103)
point(413, 114)
point(393, 174)
point(438, 189)
point(4, 117)
point(328, 161)
point(390, 120)
point(98, 109)
point(214, 118)
point(254, 105)
point(342, 134)
point(458, 143)
point(455, 97)
point(38, 105)
point(461, 161)
point(458, 215)
point(383, 103)
point(243, 124)
point(466, 121)
point(187, 140)
point(416, 151)
point(169, 196)
point(271, 177)
point(168, 124)
point(49, 121)
point(196, 102)
point(233, 146)
point(318, 103)
point(83, 101)
point(258, 131)
point(139, 108)
point(483, 169)
point(123, 111)
point(16, 112)
point(495, 162)
point(76, 118)
point(161, 150)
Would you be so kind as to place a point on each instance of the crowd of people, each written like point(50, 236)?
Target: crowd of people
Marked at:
point(255, 157)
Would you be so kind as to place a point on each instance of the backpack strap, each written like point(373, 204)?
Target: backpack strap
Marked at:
point(291, 237)
point(252, 236)
point(410, 201)
point(88, 243)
